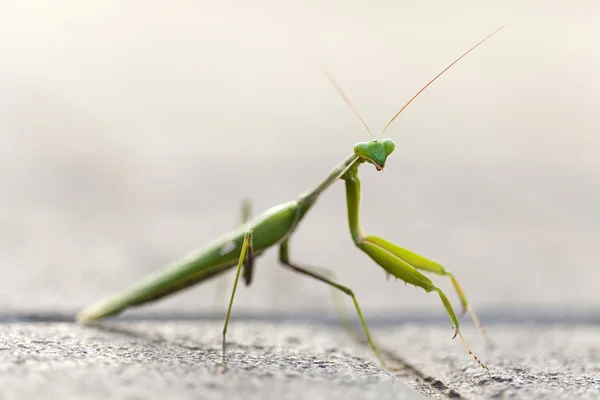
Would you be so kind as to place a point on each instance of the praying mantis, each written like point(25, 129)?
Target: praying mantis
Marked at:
point(275, 227)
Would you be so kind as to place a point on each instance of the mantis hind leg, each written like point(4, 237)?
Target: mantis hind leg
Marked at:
point(245, 255)
point(284, 258)
point(392, 258)
point(248, 271)
point(249, 263)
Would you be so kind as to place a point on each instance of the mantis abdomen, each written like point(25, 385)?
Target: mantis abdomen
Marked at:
point(206, 262)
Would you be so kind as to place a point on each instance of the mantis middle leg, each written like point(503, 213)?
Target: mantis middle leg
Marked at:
point(284, 258)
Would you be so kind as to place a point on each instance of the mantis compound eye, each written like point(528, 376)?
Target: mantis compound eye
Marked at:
point(389, 146)
point(362, 149)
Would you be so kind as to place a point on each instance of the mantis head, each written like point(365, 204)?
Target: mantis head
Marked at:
point(375, 151)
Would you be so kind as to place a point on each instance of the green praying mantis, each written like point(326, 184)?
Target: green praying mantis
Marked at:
point(275, 226)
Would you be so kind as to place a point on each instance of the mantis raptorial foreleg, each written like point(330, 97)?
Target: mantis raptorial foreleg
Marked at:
point(245, 257)
point(424, 264)
point(284, 258)
point(391, 257)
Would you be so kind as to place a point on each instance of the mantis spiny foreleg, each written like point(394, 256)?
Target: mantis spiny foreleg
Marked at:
point(395, 260)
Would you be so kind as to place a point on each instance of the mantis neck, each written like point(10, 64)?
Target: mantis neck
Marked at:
point(350, 161)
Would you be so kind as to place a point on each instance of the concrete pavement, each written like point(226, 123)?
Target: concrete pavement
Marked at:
point(295, 360)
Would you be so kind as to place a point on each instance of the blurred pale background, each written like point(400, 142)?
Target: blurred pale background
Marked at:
point(130, 132)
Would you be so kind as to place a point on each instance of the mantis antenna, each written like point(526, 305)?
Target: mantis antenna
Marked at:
point(346, 99)
point(437, 76)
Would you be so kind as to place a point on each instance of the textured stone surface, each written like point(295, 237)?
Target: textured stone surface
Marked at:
point(526, 362)
point(181, 360)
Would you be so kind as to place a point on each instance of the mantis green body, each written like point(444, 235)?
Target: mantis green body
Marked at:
point(275, 227)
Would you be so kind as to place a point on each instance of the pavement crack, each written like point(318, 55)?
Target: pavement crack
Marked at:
point(413, 376)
